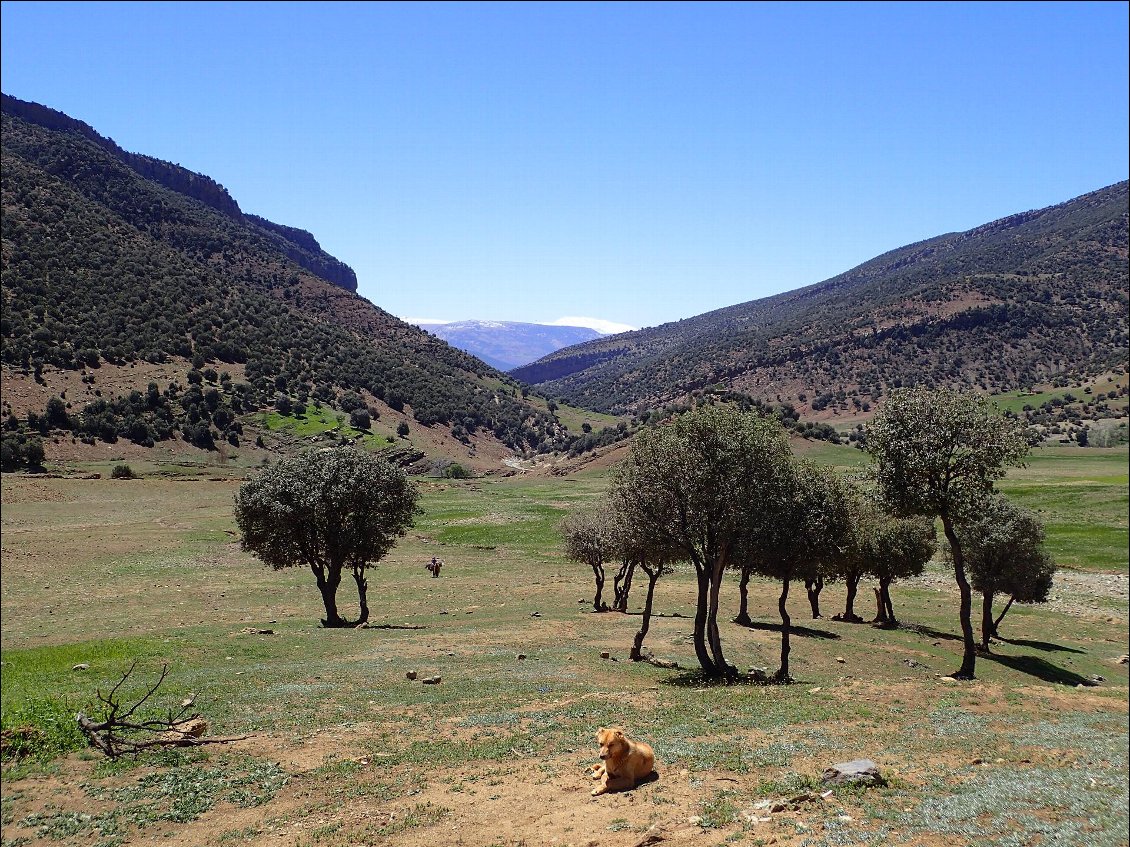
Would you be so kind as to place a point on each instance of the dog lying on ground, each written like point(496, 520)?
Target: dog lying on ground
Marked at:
point(624, 763)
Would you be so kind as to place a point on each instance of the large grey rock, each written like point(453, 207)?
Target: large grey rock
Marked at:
point(856, 772)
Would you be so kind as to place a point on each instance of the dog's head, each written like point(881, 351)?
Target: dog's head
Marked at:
point(612, 743)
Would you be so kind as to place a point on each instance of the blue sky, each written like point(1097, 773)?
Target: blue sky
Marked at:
point(637, 163)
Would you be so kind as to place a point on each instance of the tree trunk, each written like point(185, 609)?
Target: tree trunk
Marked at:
point(786, 622)
point(885, 591)
point(969, 655)
point(880, 609)
point(597, 603)
point(1004, 611)
point(622, 585)
point(327, 585)
point(743, 598)
point(852, 583)
point(986, 620)
point(362, 591)
point(700, 615)
point(714, 637)
point(645, 624)
point(814, 587)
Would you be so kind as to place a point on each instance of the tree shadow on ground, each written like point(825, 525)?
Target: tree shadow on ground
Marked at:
point(697, 679)
point(802, 631)
point(1039, 668)
point(929, 631)
point(1039, 645)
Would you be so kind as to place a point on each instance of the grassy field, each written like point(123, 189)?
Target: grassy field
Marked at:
point(345, 750)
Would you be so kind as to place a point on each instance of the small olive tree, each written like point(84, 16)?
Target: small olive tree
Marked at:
point(798, 535)
point(588, 537)
point(938, 453)
point(893, 549)
point(1004, 552)
point(651, 554)
point(332, 510)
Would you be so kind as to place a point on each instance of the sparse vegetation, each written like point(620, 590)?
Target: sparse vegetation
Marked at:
point(491, 708)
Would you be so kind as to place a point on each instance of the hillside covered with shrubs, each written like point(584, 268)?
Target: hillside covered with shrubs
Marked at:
point(112, 259)
point(1038, 298)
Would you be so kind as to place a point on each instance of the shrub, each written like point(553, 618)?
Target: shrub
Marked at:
point(122, 472)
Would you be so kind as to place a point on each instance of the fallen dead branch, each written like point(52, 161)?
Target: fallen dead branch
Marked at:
point(119, 733)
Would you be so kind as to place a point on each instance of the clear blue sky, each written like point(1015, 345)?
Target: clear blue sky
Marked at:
point(638, 163)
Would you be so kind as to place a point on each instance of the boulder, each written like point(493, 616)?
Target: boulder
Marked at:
point(855, 772)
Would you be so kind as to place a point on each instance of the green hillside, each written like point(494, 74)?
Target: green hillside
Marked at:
point(1033, 299)
point(112, 259)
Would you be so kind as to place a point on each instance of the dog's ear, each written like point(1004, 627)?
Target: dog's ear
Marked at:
point(619, 733)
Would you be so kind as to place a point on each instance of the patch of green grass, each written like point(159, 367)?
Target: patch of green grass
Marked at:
point(719, 810)
point(192, 607)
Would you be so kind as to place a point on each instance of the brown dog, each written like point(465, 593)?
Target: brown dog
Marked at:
point(624, 763)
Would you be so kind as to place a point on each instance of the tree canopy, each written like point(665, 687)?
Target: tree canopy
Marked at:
point(1004, 552)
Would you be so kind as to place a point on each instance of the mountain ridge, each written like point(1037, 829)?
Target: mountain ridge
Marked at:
point(299, 245)
point(104, 267)
point(1029, 277)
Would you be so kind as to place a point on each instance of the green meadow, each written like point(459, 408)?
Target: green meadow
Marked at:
point(100, 575)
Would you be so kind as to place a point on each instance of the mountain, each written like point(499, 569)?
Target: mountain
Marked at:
point(508, 344)
point(1035, 298)
point(116, 263)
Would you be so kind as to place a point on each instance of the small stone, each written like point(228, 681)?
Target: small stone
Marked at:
point(604, 654)
point(535, 614)
point(840, 659)
point(695, 820)
point(1097, 678)
point(432, 680)
point(520, 656)
point(82, 666)
point(845, 818)
point(779, 806)
point(1124, 660)
point(814, 690)
point(977, 762)
point(411, 674)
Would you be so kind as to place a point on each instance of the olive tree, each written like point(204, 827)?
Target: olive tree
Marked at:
point(637, 548)
point(802, 531)
point(895, 548)
point(588, 538)
point(332, 510)
point(937, 454)
point(700, 484)
point(1004, 552)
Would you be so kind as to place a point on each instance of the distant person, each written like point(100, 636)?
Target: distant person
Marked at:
point(434, 565)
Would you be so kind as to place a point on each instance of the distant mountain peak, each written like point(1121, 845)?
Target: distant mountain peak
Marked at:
point(507, 344)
